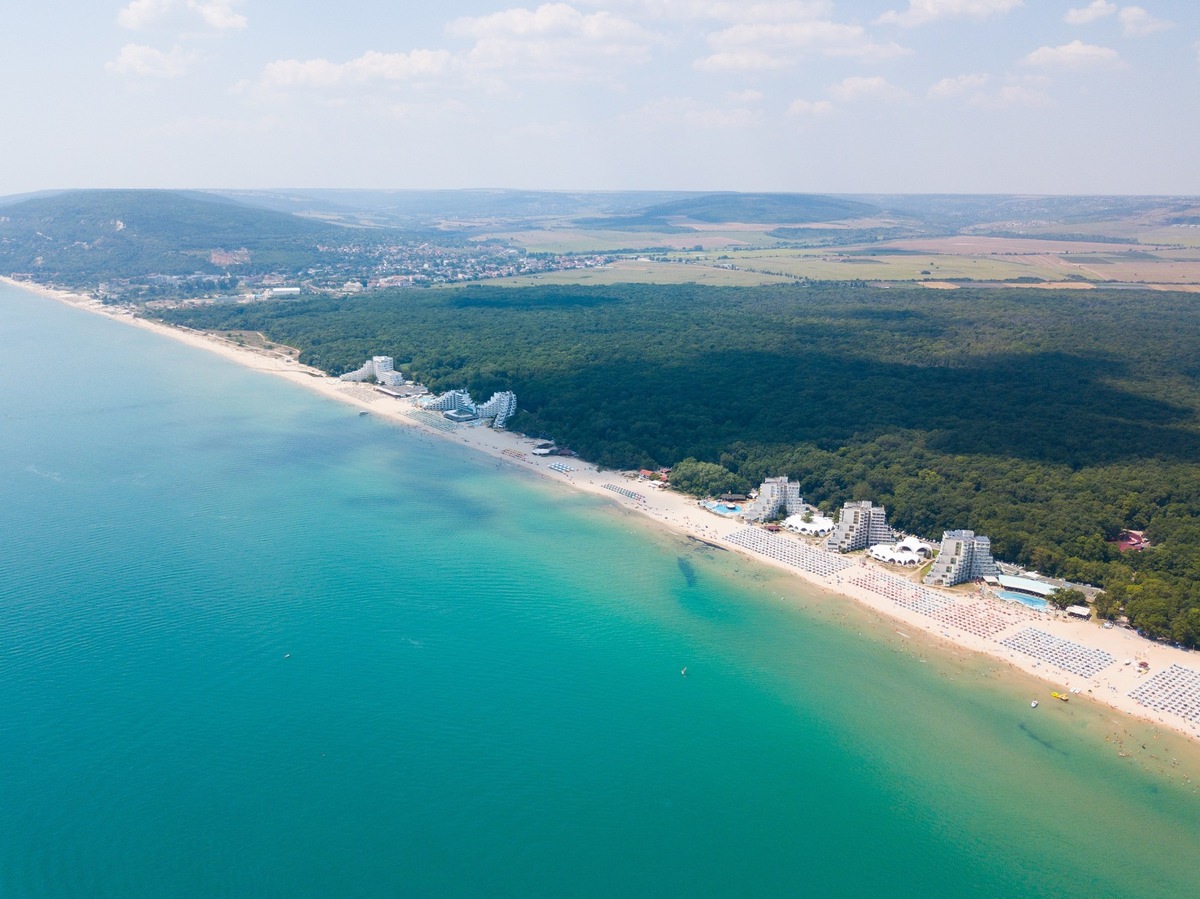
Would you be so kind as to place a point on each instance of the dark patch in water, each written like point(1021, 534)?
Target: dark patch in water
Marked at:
point(689, 570)
point(1038, 739)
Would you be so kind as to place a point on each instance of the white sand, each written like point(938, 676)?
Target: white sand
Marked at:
point(680, 513)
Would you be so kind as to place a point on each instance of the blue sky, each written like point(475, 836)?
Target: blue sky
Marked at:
point(900, 96)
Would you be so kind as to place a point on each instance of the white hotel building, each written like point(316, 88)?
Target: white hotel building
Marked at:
point(381, 368)
point(964, 556)
point(860, 526)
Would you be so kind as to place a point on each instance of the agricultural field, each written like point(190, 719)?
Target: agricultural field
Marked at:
point(633, 271)
point(674, 258)
point(572, 240)
point(880, 266)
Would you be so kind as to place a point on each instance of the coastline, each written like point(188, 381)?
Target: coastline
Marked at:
point(680, 514)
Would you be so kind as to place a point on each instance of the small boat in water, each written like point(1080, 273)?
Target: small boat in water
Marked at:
point(364, 412)
point(1063, 696)
point(1033, 705)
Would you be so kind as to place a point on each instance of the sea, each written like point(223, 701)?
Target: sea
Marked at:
point(253, 644)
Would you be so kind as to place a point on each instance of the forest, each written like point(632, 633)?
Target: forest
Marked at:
point(1048, 420)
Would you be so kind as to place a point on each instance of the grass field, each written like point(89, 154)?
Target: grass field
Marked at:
point(836, 266)
point(569, 240)
point(1154, 256)
point(634, 272)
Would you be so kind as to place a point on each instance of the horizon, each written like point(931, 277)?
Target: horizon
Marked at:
point(219, 190)
point(894, 97)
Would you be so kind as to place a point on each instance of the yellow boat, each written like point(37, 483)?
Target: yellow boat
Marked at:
point(1063, 696)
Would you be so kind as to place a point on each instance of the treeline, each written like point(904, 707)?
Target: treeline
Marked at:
point(1049, 420)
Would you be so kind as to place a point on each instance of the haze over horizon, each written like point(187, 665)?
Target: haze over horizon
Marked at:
point(886, 96)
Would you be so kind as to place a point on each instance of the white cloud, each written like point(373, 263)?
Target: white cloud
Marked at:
point(215, 13)
point(218, 14)
point(1011, 95)
point(810, 108)
point(957, 86)
point(975, 90)
point(921, 12)
point(147, 62)
point(743, 61)
point(1075, 55)
point(1097, 9)
point(686, 111)
point(721, 10)
point(1136, 22)
point(555, 40)
point(140, 13)
point(873, 87)
point(746, 96)
point(370, 67)
point(548, 20)
point(766, 45)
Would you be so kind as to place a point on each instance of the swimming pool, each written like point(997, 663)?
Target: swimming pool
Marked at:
point(1024, 599)
point(722, 509)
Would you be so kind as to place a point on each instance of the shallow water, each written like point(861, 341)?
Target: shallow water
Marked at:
point(255, 644)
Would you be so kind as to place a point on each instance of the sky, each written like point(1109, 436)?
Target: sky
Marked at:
point(879, 96)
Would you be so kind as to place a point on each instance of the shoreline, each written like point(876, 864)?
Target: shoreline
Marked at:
point(870, 585)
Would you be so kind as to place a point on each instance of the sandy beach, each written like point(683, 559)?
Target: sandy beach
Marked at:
point(1041, 644)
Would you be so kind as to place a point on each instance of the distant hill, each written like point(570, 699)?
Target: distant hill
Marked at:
point(755, 209)
point(418, 209)
point(766, 209)
point(87, 235)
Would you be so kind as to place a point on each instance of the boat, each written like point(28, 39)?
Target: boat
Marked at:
point(1033, 705)
point(364, 412)
point(1063, 696)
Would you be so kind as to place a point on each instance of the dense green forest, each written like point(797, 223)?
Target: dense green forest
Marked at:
point(1048, 420)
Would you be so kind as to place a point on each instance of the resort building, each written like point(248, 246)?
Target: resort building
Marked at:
point(1027, 586)
point(964, 556)
point(815, 526)
point(861, 525)
point(381, 368)
point(909, 552)
point(499, 408)
point(775, 495)
point(457, 406)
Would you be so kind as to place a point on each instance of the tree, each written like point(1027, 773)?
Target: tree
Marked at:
point(705, 478)
point(1067, 596)
point(1106, 606)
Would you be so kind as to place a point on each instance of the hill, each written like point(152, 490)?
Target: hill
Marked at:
point(754, 209)
point(80, 237)
point(450, 209)
point(764, 209)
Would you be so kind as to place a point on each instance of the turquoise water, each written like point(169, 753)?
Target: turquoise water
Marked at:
point(253, 644)
point(722, 509)
point(1024, 599)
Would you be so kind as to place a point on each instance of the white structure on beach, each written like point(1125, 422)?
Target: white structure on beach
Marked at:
point(774, 496)
point(456, 405)
point(964, 556)
point(860, 526)
point(909, 552)
point(499, 408)
point(816, 526)
point(381, 368)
